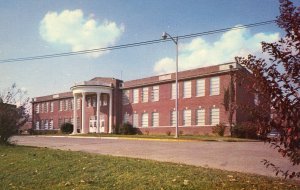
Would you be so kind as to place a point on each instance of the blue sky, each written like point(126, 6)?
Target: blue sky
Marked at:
point(30, 28)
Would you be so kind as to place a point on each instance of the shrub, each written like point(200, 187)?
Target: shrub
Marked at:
point(66, 128)
point(219, 129)
point(127, 129)
point(44, 132)
point(168, 133)
point(245, 130)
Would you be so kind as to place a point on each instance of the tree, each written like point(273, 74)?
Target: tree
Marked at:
point(277, 81)
point(229, 100)
point(13, 112)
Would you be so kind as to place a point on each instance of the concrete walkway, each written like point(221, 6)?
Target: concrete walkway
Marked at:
point(233, 156)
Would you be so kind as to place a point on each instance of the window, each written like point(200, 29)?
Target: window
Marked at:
point(214, 116)
point(200, 117)
point(126, 118)
point(104, 102)
point(155, 119)
point(89, 102)
point(37, 108)
point(135, 95)
point(42, 124)
point(43, 106)
point(187, 117)
point(37, 125)
point(200, 87)
point(71, 104)
point(173, 91)
point(256, 99)
point(51, 106)
point(135, 120)
point(46, 107)
point(94, 101)
point(155, 93)
point(145, 120)
point(51, 124)
point(78, 104)
point(125, 97)
point(46, 124)
point(187, 89)
point(60, 105)
point(60, 122)
point(173, 118)
point(65, 106)
point(214, 86)
point(145, 94)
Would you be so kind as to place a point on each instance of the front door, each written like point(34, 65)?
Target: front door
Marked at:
point(93, 125)
point(102, 124)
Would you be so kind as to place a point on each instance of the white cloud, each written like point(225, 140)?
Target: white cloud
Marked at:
point(72, 29)
point(200, 53)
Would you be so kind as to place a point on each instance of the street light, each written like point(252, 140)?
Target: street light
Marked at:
point(164, 36)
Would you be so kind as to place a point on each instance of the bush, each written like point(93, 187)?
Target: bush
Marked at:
point(66, 128)
point(245, 130)
point(44, 132)
point(127, 129)
point(219, 129)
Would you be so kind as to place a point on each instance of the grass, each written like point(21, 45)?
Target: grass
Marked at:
point(42, 168)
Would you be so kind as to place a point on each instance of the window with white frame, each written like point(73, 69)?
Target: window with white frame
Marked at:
point(51, 106)
point(104, 100)
point(126, 118)
point(89, 102)
point(37, 108)
point(78, 104)
point(200, 117)
point(173, 118)
point(187, 117)
point(125, 97)
point(187, 89)
point(145, 94)
point(42, 125)
point(47, 107)
point(46, 124)
point(71, 103)
point(200, 87)
point(145, 120)
point(37, 125)
point(51, 124)
point(65, 105)
point(214, 86)
point(94, 101)
point(155, 93)
point(60, 122)
point(135, 95)
point(214, 116)
point(135, 121)
point(155, 119)
point(173, 91)
point(43, 107)
point(60, 105)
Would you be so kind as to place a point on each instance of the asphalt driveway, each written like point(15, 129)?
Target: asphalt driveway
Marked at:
point(234, 156)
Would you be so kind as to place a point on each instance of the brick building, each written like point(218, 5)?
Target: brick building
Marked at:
point(147, 103)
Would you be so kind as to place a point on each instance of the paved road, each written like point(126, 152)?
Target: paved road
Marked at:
point(234, 156)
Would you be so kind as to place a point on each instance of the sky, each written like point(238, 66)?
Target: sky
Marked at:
point(32, 28)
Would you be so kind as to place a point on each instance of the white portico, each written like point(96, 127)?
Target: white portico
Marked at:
point(83, 90)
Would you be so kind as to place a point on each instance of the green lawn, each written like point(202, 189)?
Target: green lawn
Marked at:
point(42, 168)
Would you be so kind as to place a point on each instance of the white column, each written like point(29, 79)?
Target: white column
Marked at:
point(98, 111)
point(110, 113)
point(75, 114)
point(83, 130)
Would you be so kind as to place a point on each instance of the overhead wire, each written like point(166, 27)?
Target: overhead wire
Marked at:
point(48, 56)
